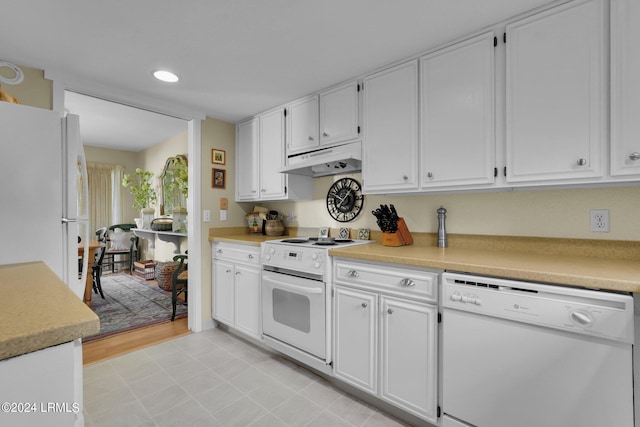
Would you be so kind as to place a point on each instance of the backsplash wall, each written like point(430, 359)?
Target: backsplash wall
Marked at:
point(561, 213)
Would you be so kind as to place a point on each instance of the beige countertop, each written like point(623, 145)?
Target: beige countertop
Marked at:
point(37, 310)
point(591, 272)
point(245, 239)
point(597, 264)
point(239, 235)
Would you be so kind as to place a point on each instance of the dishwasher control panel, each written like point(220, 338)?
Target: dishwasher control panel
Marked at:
point(598, 313)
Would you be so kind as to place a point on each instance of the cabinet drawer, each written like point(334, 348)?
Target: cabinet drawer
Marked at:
point(236, 253)
point(402, 281)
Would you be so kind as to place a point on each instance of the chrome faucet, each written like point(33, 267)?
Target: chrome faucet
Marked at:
point(442, 231)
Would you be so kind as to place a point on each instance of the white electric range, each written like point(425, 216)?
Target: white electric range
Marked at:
point(296, 297)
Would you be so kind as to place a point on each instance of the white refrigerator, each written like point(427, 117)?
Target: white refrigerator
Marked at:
point(43, 188)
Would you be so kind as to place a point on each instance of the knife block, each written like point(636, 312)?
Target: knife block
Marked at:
point(401, 237)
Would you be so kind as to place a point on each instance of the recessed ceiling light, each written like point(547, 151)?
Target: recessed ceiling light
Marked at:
point(165, 76)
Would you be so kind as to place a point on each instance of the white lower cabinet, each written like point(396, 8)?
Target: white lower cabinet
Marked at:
point(356, 337)
point(408, 348)
point(386, 334)
point(236, 287)
point(34, 381)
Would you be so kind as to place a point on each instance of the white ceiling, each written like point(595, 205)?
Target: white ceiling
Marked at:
point(235, 58)
point(120, 127)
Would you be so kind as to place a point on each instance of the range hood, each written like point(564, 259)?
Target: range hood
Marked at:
point(327, 161)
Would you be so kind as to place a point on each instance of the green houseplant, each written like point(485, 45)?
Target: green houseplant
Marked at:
point(144, 195)
point(177, 186)
point(178, 177)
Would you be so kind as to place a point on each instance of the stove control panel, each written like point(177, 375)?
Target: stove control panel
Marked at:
point(295, 258)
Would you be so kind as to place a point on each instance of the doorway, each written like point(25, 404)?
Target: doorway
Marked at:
point(118, 140)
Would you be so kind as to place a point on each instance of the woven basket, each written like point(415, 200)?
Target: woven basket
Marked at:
point(164, 273)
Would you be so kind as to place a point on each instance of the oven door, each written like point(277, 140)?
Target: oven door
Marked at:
point(293, 311)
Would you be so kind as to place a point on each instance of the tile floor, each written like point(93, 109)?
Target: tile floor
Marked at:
point(215, 379)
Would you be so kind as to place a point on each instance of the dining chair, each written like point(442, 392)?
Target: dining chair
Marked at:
point(101, 234)
point(96, 271)
point(120, 241)
point(179, 282)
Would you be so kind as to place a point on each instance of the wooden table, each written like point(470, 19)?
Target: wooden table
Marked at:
point(88, 288)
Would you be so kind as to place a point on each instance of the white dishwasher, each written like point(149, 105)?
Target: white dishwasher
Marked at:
point(529, 355)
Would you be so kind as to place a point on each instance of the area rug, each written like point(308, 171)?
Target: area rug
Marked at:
point(130, 303)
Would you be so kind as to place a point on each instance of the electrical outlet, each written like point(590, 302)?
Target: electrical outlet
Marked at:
point(600, 220)
point(206, 216)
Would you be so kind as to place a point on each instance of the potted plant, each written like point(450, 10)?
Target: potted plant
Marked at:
point(178, 186)
point(144, 194)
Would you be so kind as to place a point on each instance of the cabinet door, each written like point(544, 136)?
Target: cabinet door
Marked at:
point(302, 125)
point(457, 114)
point(339, 114)
point(390, 129)
point(247, 154)
point(625, 87)
point(356, 340)
point(247, 300)
point(272, 155)
point(555, 94)
point(222, 292)
point(409, 356)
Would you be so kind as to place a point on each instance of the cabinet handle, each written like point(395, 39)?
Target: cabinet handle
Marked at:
point(364, 305)
point(634, 156)
point(237, 273)
point(263, 190)
point(430, 174)
point(310, 138)
point(407, 282)
point(325, 134)
point(389, 311)
point(228, 271)
point(582, 162)
point(250, 256)
point(353, 273)
point(219, 251)
point(405, 178)
point(253, 191)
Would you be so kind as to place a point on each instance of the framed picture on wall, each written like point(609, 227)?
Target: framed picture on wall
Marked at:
point(218, 157)
point(218, 178)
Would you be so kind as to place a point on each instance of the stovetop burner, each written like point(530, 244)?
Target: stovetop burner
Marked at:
point(319, 241)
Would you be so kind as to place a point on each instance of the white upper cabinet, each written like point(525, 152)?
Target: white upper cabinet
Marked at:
point(247, 159)
point(302, 125)
point(272, 155)
point(260, 153)
point(625, 87)
point(390, 129)
point(555, 95)
point(457, 114)
point(339, 120)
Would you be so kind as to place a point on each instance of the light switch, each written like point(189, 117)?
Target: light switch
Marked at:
point(223, 214)
point(206, 216)
point(224, 204)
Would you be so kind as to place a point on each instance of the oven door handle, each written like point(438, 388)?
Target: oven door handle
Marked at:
point(277, 283)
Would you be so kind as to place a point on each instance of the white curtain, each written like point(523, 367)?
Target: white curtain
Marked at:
point(105, 203)
point(116, 199)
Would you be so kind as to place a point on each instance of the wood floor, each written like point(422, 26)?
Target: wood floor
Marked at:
point(116, 345)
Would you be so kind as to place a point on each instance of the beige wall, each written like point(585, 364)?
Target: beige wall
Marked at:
point(34, 90)
point(542, 213)
point(220, 135)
